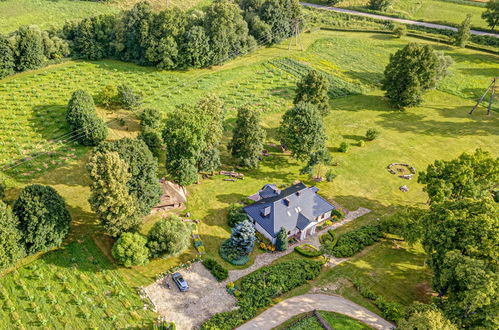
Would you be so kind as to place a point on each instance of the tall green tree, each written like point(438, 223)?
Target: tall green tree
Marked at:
point(111, 199)
point(92, 38)
point(491, 15)
point(144, 184)
point(381, 5)
point(411, 71)
point(7, 62)
point(134, 33)
point(151, 118)
point(169, 237)
point(29, 51)
point(282, 240)
point(184, 136)
point(247, 138)
point(195, 48)
point(211, 110)
point(302, 131)
point(314, 88)
point(227, 30)
point(131, 250)
point(44, 219)
point(423, 316)
point(468, 176)
point(82, 117)
point(463, 33)
point(243, 238)
point(10, 238)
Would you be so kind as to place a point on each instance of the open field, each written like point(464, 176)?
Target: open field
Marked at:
point(33, 108)
point(48, 13)
point(438, 11)
point(72, 288)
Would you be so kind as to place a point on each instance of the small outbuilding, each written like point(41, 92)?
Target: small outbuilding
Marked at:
point(174, 196)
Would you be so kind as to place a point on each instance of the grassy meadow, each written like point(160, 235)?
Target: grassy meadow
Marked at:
point(307, 321)
point(32, 112)
point(439, 11)
point(53, 13)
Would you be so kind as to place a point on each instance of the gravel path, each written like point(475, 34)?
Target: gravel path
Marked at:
point(394, 19)
point(267, 258)
point(288, 308)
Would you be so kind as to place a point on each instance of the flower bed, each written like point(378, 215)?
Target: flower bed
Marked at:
point(308, 250)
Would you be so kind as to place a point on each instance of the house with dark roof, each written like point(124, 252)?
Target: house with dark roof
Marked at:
point(297, 208)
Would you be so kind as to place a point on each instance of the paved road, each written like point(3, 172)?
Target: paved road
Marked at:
point(394, 19)
point(288, 308)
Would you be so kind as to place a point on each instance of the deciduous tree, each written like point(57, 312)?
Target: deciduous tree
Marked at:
point(463, 33)
point(44, 219)
point(10, 238)
point(468, 176)
point(302, 131)
point(491, 15)
point(314, 88)
point(81, 116)
point(131, 250)
point(248, 137)
point(212, 115)
point(381, 5)
point(144, 184)
point(168, 237)
point(423, 316)
point(111, 198)
point(29, 52)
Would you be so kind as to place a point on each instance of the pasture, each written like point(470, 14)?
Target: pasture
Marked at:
point(438, 11)
point(49, 13)
point(33, 109)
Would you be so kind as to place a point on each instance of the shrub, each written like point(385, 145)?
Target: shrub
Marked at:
point(44, 219)
point(150, 118)
point(330, 176)
point(107, 96)
point(10, 237)
point(355, 240)
point(372, 134)
point(362, 143)
point(219, 272)
point(308, 250)
point(336, 213)
point(131, 250)
point(344, 146)
point(235, 215)
point(328, 242)
point(169, 236)
point(240, 244)
point(128, 98)
point(400, 30)
point(282, 240)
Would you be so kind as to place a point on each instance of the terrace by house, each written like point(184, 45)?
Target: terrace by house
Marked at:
point(298, 209)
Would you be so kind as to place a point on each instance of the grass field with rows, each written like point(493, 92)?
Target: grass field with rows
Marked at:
point(53, 13)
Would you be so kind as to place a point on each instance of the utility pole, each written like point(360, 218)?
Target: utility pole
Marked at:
point(492, 89)
point(296, 33)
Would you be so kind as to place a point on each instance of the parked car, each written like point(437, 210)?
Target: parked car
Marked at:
point(180, 282)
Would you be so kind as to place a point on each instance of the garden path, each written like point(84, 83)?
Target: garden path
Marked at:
point(288, 308)
point(267, 258)
point(394, 19)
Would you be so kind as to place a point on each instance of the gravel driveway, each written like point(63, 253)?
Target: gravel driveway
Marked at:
point(189, 309)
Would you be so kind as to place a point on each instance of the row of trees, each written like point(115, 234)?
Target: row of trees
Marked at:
point(176, 39)
point(460, 234)
point(29, 48)
point(38, 221)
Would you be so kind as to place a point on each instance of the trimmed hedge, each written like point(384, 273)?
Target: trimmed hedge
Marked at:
point(216, 269)
point(355, 240)
point(307, 252)
point(337, 213)
point(260, 287)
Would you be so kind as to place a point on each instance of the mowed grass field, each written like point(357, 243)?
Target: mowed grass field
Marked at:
point(33, 110)
point(306, 321)
point(426, 10)
point(53, 13)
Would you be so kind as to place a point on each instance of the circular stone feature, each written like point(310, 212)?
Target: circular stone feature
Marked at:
point(404, 171)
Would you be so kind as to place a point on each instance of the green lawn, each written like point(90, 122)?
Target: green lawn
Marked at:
point(308, 321)
point(72, 288)
point(33, 106)
point(439, 11)
point(53, 13)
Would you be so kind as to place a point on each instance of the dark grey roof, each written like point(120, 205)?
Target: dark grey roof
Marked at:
point(304, 205)
point(269, 190)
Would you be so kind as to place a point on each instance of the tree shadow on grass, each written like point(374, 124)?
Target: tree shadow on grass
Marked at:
point(356, 138)
point(418, 124)
point(49, 121)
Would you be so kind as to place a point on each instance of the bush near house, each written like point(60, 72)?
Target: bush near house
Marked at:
point(355, 240)
point(336, 214)
point(308, 250)
point(216, 269)
point(259, 288)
